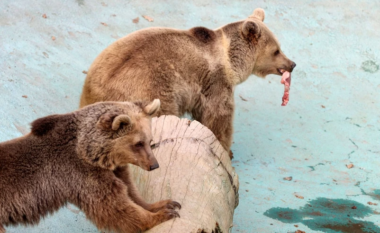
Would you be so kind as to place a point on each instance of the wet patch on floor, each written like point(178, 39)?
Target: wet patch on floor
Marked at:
point(370, 66)
point(328, 215)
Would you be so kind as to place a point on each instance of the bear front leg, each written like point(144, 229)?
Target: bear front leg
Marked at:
point(217, 113)
point(123, 174)
point(110, 208)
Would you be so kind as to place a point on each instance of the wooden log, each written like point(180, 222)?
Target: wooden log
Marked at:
point(196, 171)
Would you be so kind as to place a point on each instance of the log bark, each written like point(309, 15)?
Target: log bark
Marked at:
point(196, 171)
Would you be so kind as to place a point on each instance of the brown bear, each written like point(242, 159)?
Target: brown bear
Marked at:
point(193, 71)
point(82, 158)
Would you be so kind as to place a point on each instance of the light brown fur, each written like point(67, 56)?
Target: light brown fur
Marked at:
point(82, 158)
point(192, 71)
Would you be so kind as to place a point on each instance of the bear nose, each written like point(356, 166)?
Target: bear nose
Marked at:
point(154, 166)
point(293, 65)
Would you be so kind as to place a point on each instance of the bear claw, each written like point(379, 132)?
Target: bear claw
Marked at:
point(173, 205)
point(170, 213)
point(175, 214)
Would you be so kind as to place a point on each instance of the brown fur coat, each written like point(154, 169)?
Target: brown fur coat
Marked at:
point(81, 158)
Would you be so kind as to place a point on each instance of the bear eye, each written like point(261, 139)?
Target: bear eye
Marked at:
point(139, 144)
point(277, 52)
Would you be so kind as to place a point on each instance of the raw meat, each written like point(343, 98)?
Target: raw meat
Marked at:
point(286, 76)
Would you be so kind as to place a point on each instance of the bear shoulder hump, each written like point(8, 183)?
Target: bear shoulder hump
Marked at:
point(44, 125)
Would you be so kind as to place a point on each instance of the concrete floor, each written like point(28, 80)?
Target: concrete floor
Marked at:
point(332, 118)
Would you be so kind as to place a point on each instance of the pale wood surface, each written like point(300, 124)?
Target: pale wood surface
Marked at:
point(196, 171)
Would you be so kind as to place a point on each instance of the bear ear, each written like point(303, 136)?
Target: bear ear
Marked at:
point(114, 122)
point(258, 14)
point(152, 107)
point(44, 125)
point(251, 30)
point(120, 121)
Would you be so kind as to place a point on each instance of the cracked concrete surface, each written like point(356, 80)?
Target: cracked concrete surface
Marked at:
point(332, 118)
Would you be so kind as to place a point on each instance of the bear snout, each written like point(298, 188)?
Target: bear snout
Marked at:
point(154, 166)
point(292, 66)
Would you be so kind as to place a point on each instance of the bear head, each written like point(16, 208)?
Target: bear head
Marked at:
point(106, 134)
point(262, 51)
point(114, 134)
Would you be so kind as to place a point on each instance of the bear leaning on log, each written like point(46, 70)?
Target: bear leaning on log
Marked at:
point(82, 158)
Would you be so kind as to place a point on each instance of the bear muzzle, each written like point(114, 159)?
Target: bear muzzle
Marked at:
point(290, 68)
point(154, 166)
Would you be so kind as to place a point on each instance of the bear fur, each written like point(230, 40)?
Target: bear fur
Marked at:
point(193, 71)
point(82, 158)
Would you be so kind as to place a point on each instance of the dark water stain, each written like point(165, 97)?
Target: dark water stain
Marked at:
point(328, 215)
point(285, 215)
point(351, 227)
point(333, 225)
point(316, 213)
point(370, 66)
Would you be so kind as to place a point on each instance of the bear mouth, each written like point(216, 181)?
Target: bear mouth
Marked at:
point(281, 71)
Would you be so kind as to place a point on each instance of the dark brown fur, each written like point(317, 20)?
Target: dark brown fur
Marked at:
point(82, 158)
point(203, 34)
point(192, 71)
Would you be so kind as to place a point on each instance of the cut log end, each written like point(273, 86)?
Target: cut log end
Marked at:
point(194, 170)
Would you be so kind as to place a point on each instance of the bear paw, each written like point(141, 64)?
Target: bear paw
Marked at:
point(167, 214)
point(165, 204)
